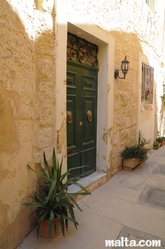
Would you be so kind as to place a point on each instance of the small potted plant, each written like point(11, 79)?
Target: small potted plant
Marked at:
point(156, 145)
point(54, 205)
point(161, 140)
point(147, 94)
point(135, 154)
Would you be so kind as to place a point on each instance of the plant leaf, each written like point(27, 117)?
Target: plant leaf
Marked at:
point(47, 166)
point(52, 188)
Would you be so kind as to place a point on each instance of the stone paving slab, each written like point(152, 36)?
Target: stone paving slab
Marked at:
point(136, 235)
point(130, 180)
point(156, 197)
point(160, 169)
point(91, 234)
point(153, 196)
point(131, 204)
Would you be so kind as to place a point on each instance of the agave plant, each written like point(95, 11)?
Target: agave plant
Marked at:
point(52, 200)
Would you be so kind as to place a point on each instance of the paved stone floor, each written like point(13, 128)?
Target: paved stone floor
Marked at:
point(131, 205)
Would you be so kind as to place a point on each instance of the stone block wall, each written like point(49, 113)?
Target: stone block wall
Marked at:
point(27, 102)
point(31, 116)
point(137, 30)
point(126, 96)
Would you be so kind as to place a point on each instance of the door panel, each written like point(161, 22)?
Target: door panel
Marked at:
point(72, 102)
point(88, 157)
point(81, 124)
point(89, 123)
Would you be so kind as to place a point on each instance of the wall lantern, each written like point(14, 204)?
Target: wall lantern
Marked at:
point(124, 69)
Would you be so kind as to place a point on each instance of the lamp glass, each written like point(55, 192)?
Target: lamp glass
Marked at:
point(125, 66)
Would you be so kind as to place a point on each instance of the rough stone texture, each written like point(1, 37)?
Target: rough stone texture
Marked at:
point(16, 95)
point(125, 97)
point(28, 91)
point(155, 196)
point(135, 30)
point(26, 109)
point(160, 169)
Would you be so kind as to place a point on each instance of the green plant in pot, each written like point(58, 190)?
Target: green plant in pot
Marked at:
point(52, 202)
point(156, 145)
point(160, 140)
point(135, 154)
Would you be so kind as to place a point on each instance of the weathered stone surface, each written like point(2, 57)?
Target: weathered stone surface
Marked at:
point(155, 196)
point(33, 104)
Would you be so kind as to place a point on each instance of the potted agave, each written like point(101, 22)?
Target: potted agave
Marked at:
point(54, 205)
point(135, 154)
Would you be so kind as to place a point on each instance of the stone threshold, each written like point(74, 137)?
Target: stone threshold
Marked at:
point(90, 182)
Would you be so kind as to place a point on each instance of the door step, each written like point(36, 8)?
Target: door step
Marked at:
point(91, 182)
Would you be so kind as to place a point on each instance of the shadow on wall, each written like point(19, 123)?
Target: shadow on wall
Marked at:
point(9, 107)
point(25, 113)
point(27, 107)
point(16, 79)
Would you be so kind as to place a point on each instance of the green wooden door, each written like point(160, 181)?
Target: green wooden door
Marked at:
point(81, 116)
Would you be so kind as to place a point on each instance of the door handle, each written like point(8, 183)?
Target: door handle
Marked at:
point(89, 115)
point(69, 117)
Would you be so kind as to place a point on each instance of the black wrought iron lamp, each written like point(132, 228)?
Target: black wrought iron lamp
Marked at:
point(124, 69)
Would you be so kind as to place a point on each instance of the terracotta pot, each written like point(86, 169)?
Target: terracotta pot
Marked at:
point(44, 228)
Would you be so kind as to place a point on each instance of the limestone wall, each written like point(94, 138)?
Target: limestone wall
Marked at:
point(27, 101)
point(126, 97)
point(33, 89)
point(138, 31)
